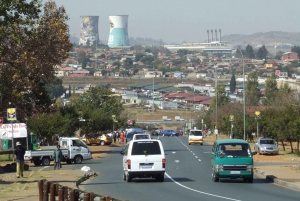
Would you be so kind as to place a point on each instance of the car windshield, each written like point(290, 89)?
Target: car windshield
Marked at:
point(234, 150)
point(266, 141)
point(196, 133)
point(145, 148)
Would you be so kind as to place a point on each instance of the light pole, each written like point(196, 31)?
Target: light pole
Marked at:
point(113, 119)
point(96, 64)
point(153, 88)
point(216, 91)
point(244, 93)
point(231, 119)
point(257, 117)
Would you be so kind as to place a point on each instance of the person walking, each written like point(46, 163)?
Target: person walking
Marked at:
point(57, 157)
point(19, 152)
point(122, 136)
point(115, 136)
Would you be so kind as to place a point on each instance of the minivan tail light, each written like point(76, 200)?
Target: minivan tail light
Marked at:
point(163, 163)
point(129, 164)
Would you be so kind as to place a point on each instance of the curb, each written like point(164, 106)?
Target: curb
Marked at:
point(85, 177)
point(273, 179)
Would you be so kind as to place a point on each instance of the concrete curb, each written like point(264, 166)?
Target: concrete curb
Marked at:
point(273, 179)
point(85, 177)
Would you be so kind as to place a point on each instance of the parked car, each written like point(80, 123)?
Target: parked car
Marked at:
point(169, 133)
point(266, 146)
point(155, 132)
point(99, 139)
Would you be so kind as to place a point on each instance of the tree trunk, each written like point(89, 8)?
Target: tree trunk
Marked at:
point(292, 149)
point(298, 146)
point(283, 147)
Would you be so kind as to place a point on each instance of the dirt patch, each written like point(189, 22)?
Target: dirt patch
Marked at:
point(27, 186)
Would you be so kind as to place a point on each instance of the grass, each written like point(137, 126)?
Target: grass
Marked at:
point(5, 157)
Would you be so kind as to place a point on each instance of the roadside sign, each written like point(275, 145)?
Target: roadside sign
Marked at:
point(216, 131)
point(1, 120)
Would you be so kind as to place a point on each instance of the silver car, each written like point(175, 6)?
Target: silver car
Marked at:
point(266, 146)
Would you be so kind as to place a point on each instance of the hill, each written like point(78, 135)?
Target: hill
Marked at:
point(272, 38)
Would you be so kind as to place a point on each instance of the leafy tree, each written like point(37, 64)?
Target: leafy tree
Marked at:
point(252, 91)
point(250, 52)
point(296, 49)
point(232, 83)
point(55, 88)
point(82, 58)
point(221, 97)
point(31, 46)
point(279, 55)
point(271, 90)
point(203, 53)
point(128, 62)
point(262, 52)
point(117, 63)
point(182, 52)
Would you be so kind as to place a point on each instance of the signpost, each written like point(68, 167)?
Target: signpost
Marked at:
point(12, 116)
point(231, 119)
point(257, 117)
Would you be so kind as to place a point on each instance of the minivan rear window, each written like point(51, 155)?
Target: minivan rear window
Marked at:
point(146, 148)
point(196, 133)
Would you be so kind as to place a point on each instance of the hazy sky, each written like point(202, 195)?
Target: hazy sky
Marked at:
point(187, 20)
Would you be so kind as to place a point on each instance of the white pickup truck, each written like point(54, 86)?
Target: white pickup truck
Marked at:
point(73, 150)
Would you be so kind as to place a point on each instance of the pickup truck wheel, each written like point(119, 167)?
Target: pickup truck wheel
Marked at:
point(46, 161)
point(215, 178)
point(102, 143)
point(78, 159)
point(37, 162)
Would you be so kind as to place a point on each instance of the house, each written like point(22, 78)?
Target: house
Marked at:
point(270, 65)
point(289, 56)
point(79, 73)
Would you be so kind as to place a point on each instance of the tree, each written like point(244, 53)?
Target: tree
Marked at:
point(55, 88)
point(82, 58)
point(250, 52)
point(296, 49)
point(32, 46)
point(271, 90)
point(232, 83)
point(221, 97)
point(279, 55)
point(262, 52)
point(252, 91)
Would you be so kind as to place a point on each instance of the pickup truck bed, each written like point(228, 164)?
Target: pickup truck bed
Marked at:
point(43, 156)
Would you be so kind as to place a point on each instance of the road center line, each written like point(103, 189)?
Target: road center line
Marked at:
point(201, 192)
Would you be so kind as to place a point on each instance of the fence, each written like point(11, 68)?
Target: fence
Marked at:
point(50, 191)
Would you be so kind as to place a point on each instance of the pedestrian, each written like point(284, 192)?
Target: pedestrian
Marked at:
point(118, 136)
point(20, 152)
point(122, 136)
point(57, 157)
point(115, 136)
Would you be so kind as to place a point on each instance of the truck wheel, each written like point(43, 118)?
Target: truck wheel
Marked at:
point(37, 162)
point(215, 178)
point(78, 159)
point(102, 143)
point(46, 161)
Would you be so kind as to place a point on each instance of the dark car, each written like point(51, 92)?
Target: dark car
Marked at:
point(155, 132)
point(129, 135)
point(169, 133)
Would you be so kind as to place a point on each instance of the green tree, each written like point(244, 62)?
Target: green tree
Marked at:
point(279, 55)
point(296, 49)
point(221, 97)
point(250, 52)
point(252, 91)
point(55, 88)
point(271, 90)
point(82, 58)
point(262, 52)
point(232, 83)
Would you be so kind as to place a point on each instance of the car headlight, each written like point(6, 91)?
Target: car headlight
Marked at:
point(250, 168)
point(218, 168)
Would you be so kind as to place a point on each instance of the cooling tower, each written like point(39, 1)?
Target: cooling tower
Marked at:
point(89, 30)
point(118, 34)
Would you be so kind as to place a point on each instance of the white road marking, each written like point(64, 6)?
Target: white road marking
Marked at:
point(201, 192)
point(173, 152)
point(199, 159)
point(196, 156)
point(176, 161)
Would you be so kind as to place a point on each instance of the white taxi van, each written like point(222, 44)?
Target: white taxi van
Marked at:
point(143, 159)
point(195, 136)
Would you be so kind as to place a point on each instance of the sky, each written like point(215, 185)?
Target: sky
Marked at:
point(177, 21)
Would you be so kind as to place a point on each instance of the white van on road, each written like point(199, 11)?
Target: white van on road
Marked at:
point(195, 136)
point(143, 159)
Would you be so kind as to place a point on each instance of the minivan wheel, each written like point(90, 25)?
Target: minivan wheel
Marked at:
point(128, 178)
point(215, 178)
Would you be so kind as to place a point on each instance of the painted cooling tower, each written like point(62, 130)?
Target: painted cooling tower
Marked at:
point(118, 34)
point(89, 30)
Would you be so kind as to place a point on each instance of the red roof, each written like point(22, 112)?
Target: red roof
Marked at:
point(198, 98)
point(178, 95)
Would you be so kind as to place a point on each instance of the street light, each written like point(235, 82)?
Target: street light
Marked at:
point(231, 119)
point(216, 91)
point(257, 117)
point(153, 88)
point(244, 93)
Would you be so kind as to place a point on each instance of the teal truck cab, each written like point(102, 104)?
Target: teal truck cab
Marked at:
point(232, 158)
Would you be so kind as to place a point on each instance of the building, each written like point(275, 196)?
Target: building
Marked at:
point(89, 30)
point(289, 56)
point(118, 34)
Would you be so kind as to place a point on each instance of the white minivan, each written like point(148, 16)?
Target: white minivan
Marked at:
point(144, 159)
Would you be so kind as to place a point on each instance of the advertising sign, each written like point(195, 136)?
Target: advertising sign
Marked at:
point(18, 130)
point(89, 30)
point(11, 114)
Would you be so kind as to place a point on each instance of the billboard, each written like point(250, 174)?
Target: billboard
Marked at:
point(118, 31)
point(18, 130)
point(89, 30)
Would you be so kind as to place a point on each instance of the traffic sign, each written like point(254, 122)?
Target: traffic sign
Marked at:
point(1, 120)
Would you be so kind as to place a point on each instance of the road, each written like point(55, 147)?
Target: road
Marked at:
point(188, 177)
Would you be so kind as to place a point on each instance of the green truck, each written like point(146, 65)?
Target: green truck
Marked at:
point(232, 158)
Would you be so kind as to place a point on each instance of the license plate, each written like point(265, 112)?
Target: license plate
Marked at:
point(146, 166)
point(235, 172)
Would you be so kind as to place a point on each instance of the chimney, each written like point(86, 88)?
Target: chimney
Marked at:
point(207, 36)
point(212, 35)
point(220, 35)
point(216, 32)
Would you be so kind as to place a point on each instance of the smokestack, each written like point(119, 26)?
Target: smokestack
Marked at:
point(212, 35)
point(216, 32)
point(207, 36)
point(220, 35)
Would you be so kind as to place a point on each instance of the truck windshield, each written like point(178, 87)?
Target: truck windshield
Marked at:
point(196, 133)
point(78, 143)
point(234, 150)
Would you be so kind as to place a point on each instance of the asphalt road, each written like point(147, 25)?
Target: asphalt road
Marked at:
point(188, 177)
